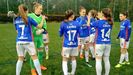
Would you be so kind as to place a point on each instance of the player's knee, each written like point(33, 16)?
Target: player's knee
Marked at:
point(98, 57)
point(106, 58)
point(79, 47)
point(73, 58)
point(86, 47)
point(34, 57)
point(65, 59)
point(46, 44)
point(123, 50)
point(21, 58)
point(39, 48)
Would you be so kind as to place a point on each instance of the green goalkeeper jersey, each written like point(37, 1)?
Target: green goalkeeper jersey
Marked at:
point(38, 19)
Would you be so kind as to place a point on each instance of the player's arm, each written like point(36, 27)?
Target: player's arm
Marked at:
point(89, 19)
point(34, 23)
point(45, 26)
point(128, 31)
point(61, 32)
point(41, 24)
point(15, 26)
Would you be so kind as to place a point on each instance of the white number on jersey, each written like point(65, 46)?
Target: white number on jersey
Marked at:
point(107, 34)
point(22, 27)
point(71, 34)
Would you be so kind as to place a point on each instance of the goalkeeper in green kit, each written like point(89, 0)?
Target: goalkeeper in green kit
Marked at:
point(38, 36)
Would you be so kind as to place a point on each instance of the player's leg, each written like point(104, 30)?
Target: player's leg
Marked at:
point(74, 65)
point(80, 43)
point(74, 54)
point(106, 59)
point(86, 43)
point(86, 53)
point(36, 64)
point(31, 50)
point(33, 70)
point(99, 54)
point(127, 55)
point(91, 45)
point(46, 50)
point(20, 52)
point(46, 42)
point(41, 53)
point(25, 52)
point(123, 53)
point(65, 55)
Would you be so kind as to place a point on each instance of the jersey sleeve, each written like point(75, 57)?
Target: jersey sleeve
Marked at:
point(128, 30)
point(32, 22)
point(78, 28)
point(78, 19)
point(61, 30)
point(45, 25)
point(15, 24)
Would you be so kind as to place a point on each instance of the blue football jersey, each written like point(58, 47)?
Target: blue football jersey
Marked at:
point(125, 30)
point(84, 28)
point(69, 31)
point(92, 29)
point(103, 35)
point(24, 31)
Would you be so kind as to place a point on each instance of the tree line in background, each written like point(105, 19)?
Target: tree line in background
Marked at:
point(58, 7)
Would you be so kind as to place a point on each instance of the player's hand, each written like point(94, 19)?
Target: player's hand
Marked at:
point(39, 31)
point(44, 17)
point(88, 17)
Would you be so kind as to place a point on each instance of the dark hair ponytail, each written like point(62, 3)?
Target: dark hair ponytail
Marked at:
point(22, 12)
point(107, 13)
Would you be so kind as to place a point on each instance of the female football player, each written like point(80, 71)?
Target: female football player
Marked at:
point(24, 40)
point(103, 41)
point(37, 33)
point(84, 33)
point(69, 31)
point(93, 18)
point(124, 36)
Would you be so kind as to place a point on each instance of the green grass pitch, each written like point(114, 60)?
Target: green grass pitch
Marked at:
point(8, 56)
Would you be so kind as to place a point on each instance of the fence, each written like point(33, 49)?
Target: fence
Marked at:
point(58, 7)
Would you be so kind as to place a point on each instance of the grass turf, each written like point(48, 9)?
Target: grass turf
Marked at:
point(8, 55)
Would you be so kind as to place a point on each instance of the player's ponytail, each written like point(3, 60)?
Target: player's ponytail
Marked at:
point(68, 14)
point(23, 13)
point(107, 14)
